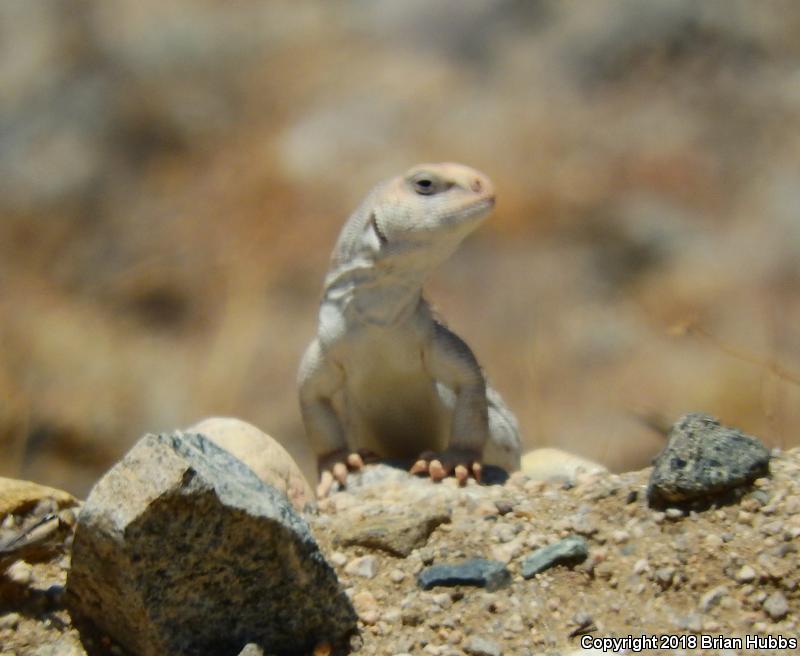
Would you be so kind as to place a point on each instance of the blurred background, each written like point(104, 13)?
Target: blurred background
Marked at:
point(173, 176)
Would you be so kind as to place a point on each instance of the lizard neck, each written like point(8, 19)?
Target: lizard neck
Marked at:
point(366, 292)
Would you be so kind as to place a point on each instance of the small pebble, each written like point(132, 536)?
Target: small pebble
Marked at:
point(746, 574)
point(583, 525)
point(397, 576)
point(366, 566)
point(486, 508)
point(620, 537)
point(664, 576)
point(20, 572)
point(338, 558)
point(569, 551)
point(504, 506)
point(514, 623)
point(712, 598)
point(9, 620)
point(480, 646)
point(364, 600)
point(776, 606)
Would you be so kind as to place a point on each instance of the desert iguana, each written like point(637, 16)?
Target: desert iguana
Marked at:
point(384, 377)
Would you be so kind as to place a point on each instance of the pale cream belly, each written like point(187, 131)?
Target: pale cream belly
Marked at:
point(392, 406)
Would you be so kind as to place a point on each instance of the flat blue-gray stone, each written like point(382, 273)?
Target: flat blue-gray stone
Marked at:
point(569, 551)
point(478, 572)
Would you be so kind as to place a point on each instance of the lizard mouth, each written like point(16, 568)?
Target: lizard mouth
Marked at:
point(478, 208)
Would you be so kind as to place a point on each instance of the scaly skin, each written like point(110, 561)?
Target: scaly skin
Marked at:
point(384, 378)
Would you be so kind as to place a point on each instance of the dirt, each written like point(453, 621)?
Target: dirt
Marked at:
point(726, 571)
point(686, 579)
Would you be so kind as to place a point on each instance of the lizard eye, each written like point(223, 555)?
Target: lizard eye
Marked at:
point(424, 184)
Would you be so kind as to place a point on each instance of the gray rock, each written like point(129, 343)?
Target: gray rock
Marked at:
point(569, 551)
point(703, 459)
point(397, 534)
point(366, 566)
point(776, 606)
point(479, 572)
point(181, 549)
point(713, 597)
point(479, 646)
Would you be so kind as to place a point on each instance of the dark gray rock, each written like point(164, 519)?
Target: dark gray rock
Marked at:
point(397, 534)
point(569, 551)
point(703, 459)
point(181, 549)
point(479, 572)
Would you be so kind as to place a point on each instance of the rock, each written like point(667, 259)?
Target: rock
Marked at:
point(397, 534)
point(776, 606)
point(555, 464)
point(17, 497)
point(504, 506)
point(66, 646)
point(366, 606)
point(181, 548)
point(20, 573)
point(252, 649)
point(40, 536)
point(745, 574)
point(569, 551)
point(262, 453)
point(478, 572)
point(366, 566)
point(703, 459)
point(713, 597)
point(664, 576)
point(10, 620)
point(479, 646)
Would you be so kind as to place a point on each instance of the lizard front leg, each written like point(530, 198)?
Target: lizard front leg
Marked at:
point(449, 361)
point(318, 380)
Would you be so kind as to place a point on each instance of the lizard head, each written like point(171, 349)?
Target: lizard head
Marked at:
point(412, 223)
point(430, 209)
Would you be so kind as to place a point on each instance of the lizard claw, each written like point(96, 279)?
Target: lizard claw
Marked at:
point(460, 464)
point(335, 467)
point(325, 484)
point(355, 461)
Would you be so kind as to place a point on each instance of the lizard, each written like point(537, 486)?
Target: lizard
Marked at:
point(384, 377)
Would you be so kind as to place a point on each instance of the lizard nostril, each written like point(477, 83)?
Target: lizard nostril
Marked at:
point(476, 185)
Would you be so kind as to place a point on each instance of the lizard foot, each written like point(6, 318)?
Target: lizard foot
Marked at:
point(460, 464)
point(335, 467)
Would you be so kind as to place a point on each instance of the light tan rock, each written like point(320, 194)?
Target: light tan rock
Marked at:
point(261, 453)
point(19, 496)
point(549, 463)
